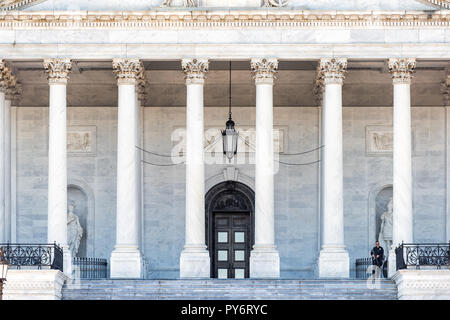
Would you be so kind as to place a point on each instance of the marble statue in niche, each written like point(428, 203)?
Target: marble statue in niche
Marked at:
point(385, 235)
point(74, 230)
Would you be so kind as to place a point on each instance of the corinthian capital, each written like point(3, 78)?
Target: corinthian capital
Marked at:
point(195, 70)
point(11, 90)
point(332, 70)
point(318, 88)
point(127, 70)
point(5, 76)
point(58, 70)
point(402, 69)
point(264, 70)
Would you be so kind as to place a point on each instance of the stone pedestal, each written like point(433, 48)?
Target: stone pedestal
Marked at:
point(429, 284)
point(126, 263)
point(195, 263)
point(34, 285)
point(333, 262)
point(264, 262)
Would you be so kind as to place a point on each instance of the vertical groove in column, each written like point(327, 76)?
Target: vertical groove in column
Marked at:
point(2, 169)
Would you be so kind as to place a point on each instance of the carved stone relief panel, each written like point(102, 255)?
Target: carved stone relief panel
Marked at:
point(81, 140)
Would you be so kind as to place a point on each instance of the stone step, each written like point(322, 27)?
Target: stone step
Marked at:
point(214, 289)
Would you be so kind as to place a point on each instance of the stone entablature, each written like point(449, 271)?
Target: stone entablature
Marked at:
point(221, 18)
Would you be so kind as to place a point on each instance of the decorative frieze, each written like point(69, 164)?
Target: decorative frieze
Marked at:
point(195, 70)
point(264, 70)
point(331, 71)
point(402, 69)
point(127, 70)
point(213, 19)
point(58, 69)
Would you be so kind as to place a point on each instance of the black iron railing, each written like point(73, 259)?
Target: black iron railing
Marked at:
point(90, 268)
point(364, 268)
point(422, 254)
point(33, 255)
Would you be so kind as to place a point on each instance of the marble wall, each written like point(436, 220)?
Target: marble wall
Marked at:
point(297, 189)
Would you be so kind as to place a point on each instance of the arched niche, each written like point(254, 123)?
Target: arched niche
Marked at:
point(82, 196)
point(378, 200)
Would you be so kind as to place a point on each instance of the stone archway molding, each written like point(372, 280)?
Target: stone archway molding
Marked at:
point(83, 186)
point(230, 173)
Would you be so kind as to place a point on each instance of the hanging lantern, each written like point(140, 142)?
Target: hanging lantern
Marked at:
point(230, 139)
point(230, 135)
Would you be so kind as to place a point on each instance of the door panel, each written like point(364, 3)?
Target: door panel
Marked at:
point(232, 238)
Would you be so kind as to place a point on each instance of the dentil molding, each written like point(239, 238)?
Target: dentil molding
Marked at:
point(219, 18)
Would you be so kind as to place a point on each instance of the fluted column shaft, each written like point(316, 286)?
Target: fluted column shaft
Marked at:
point(194, 259)
point(402, 70)
point(126, 259)
point(264, 258)
point(8, 168)
point(3, 87)
point(58, 71)
point(333, 259)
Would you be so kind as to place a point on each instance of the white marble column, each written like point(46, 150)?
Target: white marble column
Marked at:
point(58, 71)
point(8, 102)
point(126, 258)
point(194, 259)
point(4, 79)
point(333, 259)
point(402, 71)
point(264, 258)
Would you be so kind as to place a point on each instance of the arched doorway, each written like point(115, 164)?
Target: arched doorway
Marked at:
point(230, 221)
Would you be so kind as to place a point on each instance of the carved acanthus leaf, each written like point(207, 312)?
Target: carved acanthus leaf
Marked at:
point(264, 70)
point(58, 69)
point(195, 69)
point(332, 70)
point(402, 69)
point(127, 70)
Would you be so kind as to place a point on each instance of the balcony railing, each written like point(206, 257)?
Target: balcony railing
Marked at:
point(422, 254)
point(90, 268)
point(364, 268)
point(33, 255)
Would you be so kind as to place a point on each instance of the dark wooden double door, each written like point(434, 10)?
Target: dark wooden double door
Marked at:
point(232, 244)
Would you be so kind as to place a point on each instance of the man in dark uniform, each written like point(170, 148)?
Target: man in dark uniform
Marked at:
point(377, 254)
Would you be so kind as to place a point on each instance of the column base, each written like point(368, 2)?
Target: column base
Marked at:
point(392, 264)
point(334, 262)
point(126, 262)
point(195, 263)
point(264, 262)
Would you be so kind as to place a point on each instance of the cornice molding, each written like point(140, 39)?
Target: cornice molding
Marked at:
point(438, 3)
point(220, 19)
